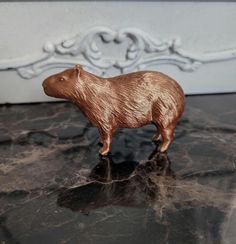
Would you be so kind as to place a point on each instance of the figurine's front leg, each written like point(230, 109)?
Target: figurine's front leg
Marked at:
point(106, 138)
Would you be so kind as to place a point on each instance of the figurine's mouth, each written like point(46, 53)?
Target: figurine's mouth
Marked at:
point(46, 90)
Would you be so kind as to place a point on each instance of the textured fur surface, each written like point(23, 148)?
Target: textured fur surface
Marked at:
point(125, 101)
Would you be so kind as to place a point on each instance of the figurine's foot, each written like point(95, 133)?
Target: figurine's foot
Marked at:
point(105, 157)
point(160, 149)
point(167, 137)
point(106, 141)
point(156, 138)
point(104, 151)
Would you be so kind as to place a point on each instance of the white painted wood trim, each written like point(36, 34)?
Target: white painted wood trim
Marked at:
point(195, 43)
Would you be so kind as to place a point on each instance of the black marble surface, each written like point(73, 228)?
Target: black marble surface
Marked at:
point(54, 188)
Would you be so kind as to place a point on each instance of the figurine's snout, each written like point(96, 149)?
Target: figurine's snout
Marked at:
point(44, 84)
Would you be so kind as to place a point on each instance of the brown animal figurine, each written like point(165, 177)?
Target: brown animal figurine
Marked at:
point(126, 101)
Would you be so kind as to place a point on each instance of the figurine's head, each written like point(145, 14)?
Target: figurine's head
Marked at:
point(63, 84)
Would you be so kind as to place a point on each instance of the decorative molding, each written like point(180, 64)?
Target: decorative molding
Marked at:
point(141, 51)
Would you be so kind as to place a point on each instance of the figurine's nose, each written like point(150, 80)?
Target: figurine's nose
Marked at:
point(44, 84)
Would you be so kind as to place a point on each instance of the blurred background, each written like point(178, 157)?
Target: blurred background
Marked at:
point(193, 42)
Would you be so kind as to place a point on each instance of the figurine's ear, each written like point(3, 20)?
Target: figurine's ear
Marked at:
point(78, 68)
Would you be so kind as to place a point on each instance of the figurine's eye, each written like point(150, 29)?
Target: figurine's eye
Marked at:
point(61, 79)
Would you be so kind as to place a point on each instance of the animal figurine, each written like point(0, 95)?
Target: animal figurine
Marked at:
point(125, 101)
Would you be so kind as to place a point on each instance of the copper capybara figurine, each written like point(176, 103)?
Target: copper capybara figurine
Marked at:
point(126, 101)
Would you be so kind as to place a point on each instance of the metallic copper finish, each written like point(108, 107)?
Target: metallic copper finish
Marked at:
point(126, 101)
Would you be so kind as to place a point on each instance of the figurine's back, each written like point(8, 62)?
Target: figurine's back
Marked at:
point(146, 96)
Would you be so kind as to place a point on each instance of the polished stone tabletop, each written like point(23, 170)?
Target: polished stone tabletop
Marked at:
point(54, 188)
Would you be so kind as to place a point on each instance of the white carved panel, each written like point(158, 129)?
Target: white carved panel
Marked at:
point(186, 40)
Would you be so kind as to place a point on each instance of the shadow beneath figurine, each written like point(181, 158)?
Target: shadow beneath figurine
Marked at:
point(128, 183)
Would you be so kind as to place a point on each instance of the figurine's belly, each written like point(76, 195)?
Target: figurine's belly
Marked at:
point(133, 123)
point(132, 118)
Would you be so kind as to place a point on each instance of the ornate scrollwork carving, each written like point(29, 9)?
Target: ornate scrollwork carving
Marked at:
point(142, 50)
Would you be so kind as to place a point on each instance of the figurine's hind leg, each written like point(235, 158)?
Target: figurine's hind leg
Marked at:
point(167, 137)
point(106, 138)
point(157, 136)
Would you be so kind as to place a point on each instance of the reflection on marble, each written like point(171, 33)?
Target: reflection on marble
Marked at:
point(54, 188)
point(126, 184)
